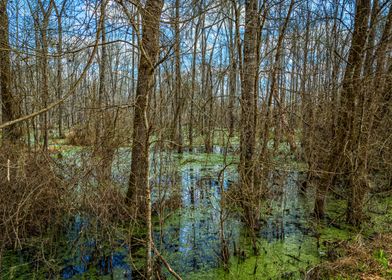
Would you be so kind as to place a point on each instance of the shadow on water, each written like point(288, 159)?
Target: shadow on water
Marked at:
point(189, 239)
point(289, 208)
point(89, 258)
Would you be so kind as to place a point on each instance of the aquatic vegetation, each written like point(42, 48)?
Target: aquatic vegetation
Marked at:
point(290, 242)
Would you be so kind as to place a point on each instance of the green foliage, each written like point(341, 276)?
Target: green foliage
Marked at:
point(381, 258)
point(13, 268)
point(380, 213)
point(333, 234)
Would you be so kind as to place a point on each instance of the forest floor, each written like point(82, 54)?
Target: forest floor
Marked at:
point(351, 253)
point(366, 259)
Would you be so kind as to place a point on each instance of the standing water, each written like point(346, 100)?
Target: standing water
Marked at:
point(189, 235)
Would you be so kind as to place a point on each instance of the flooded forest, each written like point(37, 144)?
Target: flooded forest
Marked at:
point(196, 139)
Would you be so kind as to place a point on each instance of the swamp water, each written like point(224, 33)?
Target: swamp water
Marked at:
point(189, 238)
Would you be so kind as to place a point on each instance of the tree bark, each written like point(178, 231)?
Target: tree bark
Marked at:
point(341, 154)
point(59, 89)
point(177, 121)
point(105, 120)
point(8, 101)
point(149, 46)
point(138, 194)
point(232, 75)
point(249, 199)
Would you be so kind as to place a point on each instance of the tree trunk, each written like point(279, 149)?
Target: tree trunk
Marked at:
point(59, 89)
point(138, 180)
point(363, 129)
point(8, 102)
point(104, 122)
point(340, 156)
point(232, 76)
point(274, 86)
point(45, 68)
point(177, 121)
point(139, 195)
point(249, 199)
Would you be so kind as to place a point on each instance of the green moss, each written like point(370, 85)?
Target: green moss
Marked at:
point(380, 214)
point(57, 141)
point(219, 137)
point(332, 234)
point(336, 209)
point(287, 259)
point(206, 160)
point(67, 151)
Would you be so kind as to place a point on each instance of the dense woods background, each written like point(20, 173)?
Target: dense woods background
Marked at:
point(269, 82)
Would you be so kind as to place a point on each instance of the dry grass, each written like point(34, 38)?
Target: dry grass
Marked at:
point(32, 196)
point(37, 203)
point(80, 136)
point(369, 259)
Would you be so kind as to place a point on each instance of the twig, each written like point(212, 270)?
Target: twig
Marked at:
point(166, 264)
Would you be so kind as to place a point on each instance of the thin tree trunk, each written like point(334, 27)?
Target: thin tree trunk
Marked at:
point(274, 84)
point(104, 126)
point(232, 75)
point(45, 68)
point(59, 89)
point(177, 121)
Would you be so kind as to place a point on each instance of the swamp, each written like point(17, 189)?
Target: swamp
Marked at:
point(196, 139)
